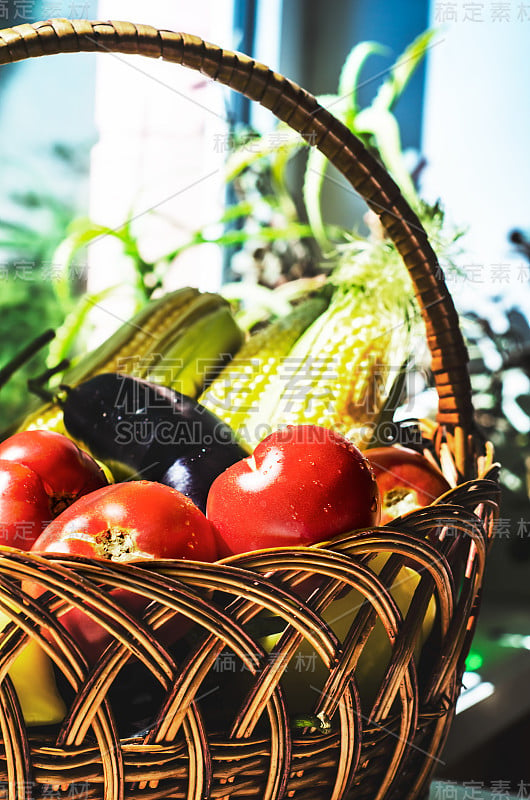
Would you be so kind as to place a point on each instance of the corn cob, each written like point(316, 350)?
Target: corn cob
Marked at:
point(127, 347)
point(148, 346)
point(199, 353)
point(238, 389)
point(337, 373)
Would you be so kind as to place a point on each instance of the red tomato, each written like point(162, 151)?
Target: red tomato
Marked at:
point(303, 484)
point(130, 521)
point(24, 505)
point(406, 479)
point(66, 471)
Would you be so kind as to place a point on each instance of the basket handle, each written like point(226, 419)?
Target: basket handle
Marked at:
point(301, 111)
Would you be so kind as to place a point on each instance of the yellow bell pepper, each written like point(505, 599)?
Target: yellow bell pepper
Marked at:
point(34, 682)
point(306, 668)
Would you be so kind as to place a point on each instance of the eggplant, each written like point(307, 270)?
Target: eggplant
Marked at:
point(142, 430)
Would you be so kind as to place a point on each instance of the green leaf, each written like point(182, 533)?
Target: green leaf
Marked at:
point(258, 302)
point(20, 237)
point(16, 227)
point(244, 209)
point(62, 346)
point(236, 211)
point(329, 101)
point(314, 175)
point(383, 126)
point(284, 200)
point(403, 69)
point(295, 230)
point(350, 72)
point(283, 137)
point(81, 233)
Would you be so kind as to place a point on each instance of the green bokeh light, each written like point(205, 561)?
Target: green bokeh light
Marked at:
point(474, 661)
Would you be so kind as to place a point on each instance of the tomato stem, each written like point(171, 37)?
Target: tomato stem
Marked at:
point(115, 544)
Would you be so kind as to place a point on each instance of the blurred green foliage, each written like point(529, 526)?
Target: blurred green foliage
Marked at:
point(26, 313)
point(36, 295)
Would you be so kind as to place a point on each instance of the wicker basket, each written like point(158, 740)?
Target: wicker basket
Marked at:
point(217, 733)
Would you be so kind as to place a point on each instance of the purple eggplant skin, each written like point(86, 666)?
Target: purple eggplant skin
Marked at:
point(142, 430)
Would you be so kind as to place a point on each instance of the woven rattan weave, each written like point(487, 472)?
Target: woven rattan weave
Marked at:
point(227, 733)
